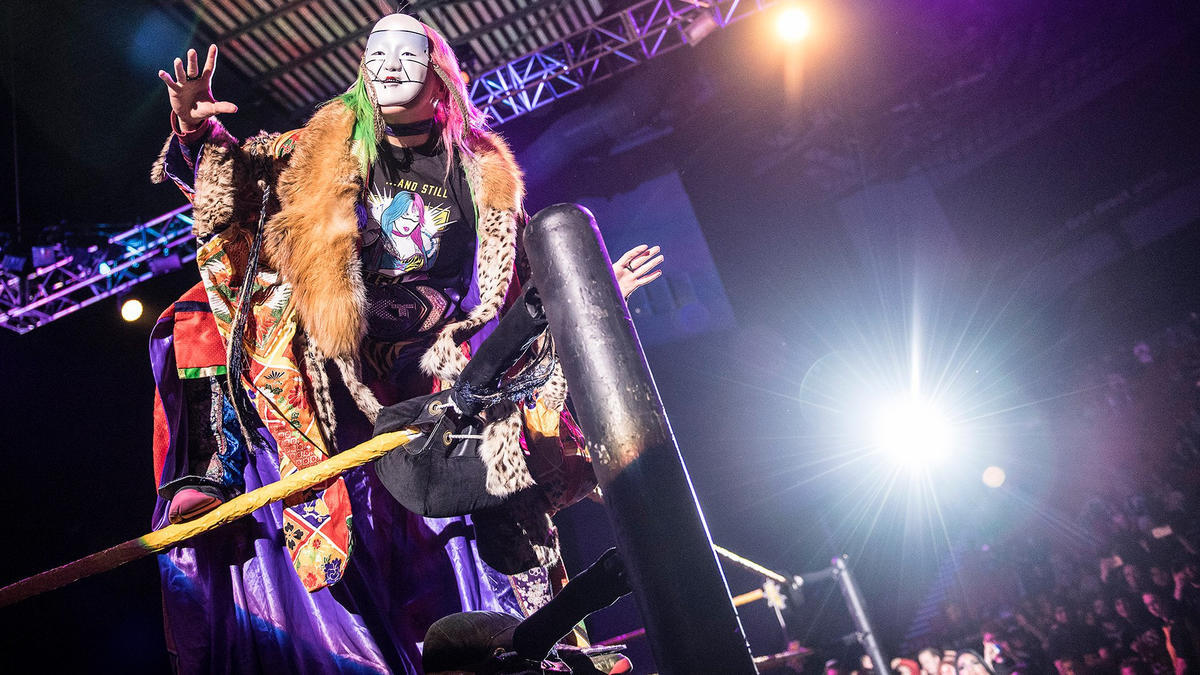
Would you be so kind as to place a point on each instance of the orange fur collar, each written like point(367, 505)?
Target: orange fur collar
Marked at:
point(313, 240)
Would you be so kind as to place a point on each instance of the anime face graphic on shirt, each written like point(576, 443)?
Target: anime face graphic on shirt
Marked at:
point(412, 232)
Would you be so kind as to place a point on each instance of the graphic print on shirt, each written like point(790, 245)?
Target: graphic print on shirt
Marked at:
point(412, 229)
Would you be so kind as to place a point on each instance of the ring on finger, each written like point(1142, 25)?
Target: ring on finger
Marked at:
point(192, 77)
point(629, 266)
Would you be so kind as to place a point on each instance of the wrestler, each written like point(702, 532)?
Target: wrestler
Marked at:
point(310, 316)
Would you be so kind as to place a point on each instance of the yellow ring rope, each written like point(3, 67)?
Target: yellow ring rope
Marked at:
point(235, 508)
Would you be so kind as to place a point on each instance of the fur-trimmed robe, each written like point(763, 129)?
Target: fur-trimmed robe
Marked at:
point(311, 238)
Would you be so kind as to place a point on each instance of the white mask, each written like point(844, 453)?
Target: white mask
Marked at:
point(397, 59)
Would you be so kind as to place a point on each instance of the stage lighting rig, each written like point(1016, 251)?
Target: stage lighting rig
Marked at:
point(83, 269)
point(14, 263)
point(700, 28)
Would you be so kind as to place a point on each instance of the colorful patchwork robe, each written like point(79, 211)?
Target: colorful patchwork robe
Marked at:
point(280, 591)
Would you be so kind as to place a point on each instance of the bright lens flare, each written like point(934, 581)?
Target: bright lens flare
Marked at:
point(993, 476)
point(793, 24)
point(912, 432)
point(131, 310)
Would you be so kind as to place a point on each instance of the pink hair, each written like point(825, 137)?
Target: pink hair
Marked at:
point(458, 118)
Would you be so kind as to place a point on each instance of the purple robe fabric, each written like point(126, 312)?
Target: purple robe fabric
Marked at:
point(232, 601)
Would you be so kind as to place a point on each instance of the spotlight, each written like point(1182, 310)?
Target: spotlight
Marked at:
point(699, 28)
point(793, 24)
point(44, 256)
point(14, 263)
point(993, 476)
point(912, 432)
point(131, 309)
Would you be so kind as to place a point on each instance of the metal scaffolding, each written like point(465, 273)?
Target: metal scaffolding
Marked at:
point(74, 279)
point(77, 278)
point(608, 46)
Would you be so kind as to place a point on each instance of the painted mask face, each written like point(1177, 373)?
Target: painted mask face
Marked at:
point(397, 59)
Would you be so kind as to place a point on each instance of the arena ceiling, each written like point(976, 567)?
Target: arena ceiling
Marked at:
point(303, 51)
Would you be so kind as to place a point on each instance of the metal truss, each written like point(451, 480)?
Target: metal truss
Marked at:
point(608, 46)
point(81, 277)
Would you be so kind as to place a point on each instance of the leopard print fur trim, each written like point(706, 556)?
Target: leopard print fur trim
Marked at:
point(554, 392)
point(494, 268)
point(501, 451)
point(226, 184)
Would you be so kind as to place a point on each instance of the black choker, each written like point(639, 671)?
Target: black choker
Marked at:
point(412, 129)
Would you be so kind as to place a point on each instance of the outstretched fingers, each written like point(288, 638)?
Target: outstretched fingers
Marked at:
point(629, 255)
point(638, 267)
point(166, 78)
point(645, 260)
point(645, 278)
point(193, 65)
point(210, 62)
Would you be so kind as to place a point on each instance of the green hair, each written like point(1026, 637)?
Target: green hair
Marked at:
point(363, 140)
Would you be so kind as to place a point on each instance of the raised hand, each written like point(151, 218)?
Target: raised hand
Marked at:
point(637, 268)
point(191, 91)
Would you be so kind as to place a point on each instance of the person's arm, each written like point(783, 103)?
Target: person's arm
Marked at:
point(193, 111)
point(1032, 630)
point(1185, 543)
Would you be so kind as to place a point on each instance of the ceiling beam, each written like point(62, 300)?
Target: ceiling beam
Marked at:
point(264, 19)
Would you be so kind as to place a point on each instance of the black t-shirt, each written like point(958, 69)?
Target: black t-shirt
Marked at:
point(418, 243)
point(421, 223)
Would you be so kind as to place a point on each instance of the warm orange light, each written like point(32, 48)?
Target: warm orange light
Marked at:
point(131, 309)
point(993, 476)
point(793, 24)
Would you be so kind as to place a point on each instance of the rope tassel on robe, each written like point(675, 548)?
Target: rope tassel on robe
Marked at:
point(172, 535)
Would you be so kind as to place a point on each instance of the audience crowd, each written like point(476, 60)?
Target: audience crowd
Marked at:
point(1118, 591)
point(1129, 606)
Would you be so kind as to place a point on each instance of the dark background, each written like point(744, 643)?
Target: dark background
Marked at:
point(1022, 179)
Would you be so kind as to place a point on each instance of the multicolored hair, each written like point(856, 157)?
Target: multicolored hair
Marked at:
point(456, 118)
point(364, 139)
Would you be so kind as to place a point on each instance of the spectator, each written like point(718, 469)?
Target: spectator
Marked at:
point(1068, 667)
point(947, 666)
point(1124, 540)
point(1134, 666)
point(1160, 578)
point(833, 667)
point(1133, 613)
point(930, 659)
point(1179, 634)
point(1151, 648)
point(1071, 639)
point(1135, 581)
point(1113, 629)
point(970, 662)
point(1129, 603)
point(1186, 576)
point(865, 665)
point(955, 627)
